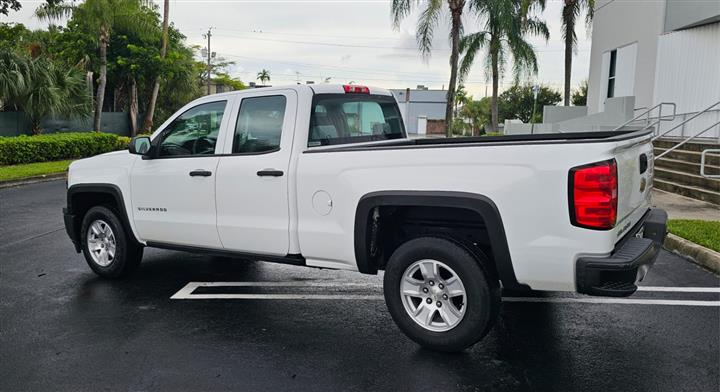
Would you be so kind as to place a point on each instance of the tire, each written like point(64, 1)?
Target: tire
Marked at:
point(472, 315)
point(102, 227)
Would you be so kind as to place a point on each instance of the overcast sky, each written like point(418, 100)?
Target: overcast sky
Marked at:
point(342, 40)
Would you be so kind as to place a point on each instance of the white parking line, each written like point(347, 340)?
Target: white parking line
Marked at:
point(621, 301)
point(681, 289)
point(187, 293)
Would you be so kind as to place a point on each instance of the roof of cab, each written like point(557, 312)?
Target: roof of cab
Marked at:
point(323, 88)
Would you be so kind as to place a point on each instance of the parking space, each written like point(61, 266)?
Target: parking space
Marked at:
point(190, 322)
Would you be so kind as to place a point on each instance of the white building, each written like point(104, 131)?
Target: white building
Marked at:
point(418, 106)
point(658, 51)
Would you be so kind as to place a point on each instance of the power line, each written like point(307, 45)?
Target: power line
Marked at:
point(362, 46)
point(417, 79)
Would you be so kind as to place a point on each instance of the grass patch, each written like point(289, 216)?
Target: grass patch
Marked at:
point(705, 233)
point(16, 172)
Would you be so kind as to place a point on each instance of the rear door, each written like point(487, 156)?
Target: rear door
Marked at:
point(252, 181)
point(635, 177)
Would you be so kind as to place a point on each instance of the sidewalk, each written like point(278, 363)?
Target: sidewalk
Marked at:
point(681, 207)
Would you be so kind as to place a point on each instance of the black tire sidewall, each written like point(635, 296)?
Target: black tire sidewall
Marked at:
point(127, 255)
point(482, 296)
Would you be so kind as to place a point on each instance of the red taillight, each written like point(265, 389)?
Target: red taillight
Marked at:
point(594, 195)
point(350, 88)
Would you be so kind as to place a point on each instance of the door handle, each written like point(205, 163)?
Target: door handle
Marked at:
point(200, 173)
point(270, 173)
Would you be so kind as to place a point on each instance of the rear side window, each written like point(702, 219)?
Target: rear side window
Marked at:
point(353, 118)
point(259, 125)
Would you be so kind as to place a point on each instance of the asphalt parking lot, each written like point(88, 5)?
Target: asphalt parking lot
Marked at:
point(63, 329)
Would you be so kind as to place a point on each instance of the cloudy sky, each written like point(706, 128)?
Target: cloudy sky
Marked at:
point(342, 40)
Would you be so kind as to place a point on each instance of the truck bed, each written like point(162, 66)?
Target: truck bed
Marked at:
point(540, 138)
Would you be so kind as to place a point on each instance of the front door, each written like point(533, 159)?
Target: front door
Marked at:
point(252, 182)
point(173, 194)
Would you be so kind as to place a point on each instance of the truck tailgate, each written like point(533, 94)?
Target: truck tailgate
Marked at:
point(634, 160)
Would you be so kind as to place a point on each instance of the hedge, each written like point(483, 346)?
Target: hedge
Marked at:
point(58, 146)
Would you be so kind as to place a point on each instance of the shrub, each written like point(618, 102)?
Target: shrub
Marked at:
point(58, 146)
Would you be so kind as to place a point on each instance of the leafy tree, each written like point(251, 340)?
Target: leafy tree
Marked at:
point(148, 122)
point(41, 88)
point(6, 5)
point(429, 18)
point(101, 17)
point(579, 96)
point(518, 100)
point(506, 25)
point(225, 79)
point(571, 10)
point(478, 112)
point(182, 75)
point(263, 76)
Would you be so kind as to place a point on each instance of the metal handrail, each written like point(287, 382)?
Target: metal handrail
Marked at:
point(646, 114)
point(702, 163)
point(686, 140)
point(707, 109)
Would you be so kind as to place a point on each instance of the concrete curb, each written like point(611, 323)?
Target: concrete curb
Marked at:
point(32, 180)
point(698, 254)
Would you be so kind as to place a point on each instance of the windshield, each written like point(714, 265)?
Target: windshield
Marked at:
point(354, 118)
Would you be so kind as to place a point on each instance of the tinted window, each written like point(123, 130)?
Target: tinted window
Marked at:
point(195, 132)
point(351, 118)
point(259, 124)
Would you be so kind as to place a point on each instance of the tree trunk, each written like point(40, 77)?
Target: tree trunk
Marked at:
point(103, 79)
point(35, 126)
point(569, 25)
point(495, 82)
point(133, 108)
point(456, 13)
point(150, 112)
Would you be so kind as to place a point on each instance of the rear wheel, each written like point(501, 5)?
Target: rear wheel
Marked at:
point(106, 246)
point(439, 295)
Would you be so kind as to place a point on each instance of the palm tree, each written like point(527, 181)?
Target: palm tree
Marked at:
point(101, 16)
point(461, 98)
point(150, 112)
point(14, 75)
point(41, 88)
point(506, 25)
point(571, 10)
point(263, 76)
point(429, 18)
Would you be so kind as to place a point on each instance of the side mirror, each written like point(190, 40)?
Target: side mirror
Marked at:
point(139, 145)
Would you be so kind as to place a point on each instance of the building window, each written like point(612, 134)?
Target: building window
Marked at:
point(611, 74)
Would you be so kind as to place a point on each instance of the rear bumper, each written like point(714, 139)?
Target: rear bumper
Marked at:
point(617, 275)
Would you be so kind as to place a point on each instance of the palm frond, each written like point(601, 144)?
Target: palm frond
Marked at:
point(399, 10)
point(426, 26)
point(469, 46)
point(54, 11)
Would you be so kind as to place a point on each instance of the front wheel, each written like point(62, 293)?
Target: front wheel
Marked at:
point(439, 295)
point(108, 249)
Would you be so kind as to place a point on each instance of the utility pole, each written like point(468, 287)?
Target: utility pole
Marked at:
point(208, 35)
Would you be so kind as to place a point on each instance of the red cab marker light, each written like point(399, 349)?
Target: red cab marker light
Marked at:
point(594, 195)
point(350, 88)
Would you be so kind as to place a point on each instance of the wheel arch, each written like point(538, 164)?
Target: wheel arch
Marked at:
point(479, 204)
point(82, 197)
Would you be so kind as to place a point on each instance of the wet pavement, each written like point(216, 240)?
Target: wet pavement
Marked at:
point(64, 329)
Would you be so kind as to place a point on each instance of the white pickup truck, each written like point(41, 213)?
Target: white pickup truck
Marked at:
point(325, 176)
